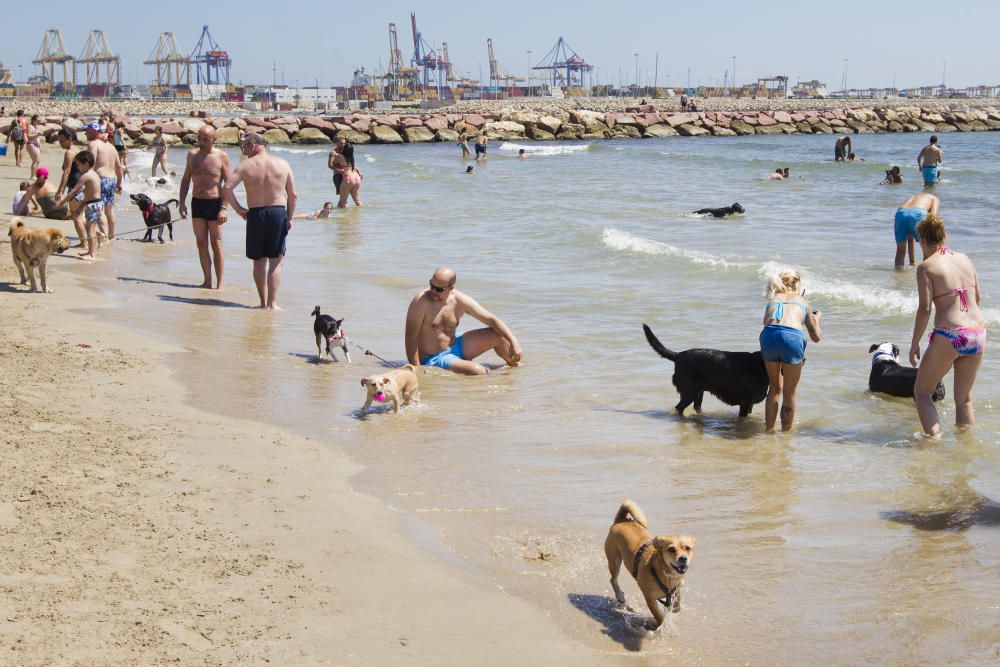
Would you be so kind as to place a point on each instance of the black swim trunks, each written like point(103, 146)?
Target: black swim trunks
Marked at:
point(267, 227)
point(206, 209)
point(480, 149)
point(337, 180)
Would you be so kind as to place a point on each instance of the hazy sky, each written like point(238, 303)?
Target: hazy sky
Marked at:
point(310, 39)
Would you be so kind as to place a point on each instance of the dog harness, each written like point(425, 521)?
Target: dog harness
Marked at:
point(668, 592)
point(149, 211)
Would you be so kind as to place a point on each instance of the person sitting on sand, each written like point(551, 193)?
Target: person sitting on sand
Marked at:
point(893, 176)
point(44, 194)
point(432, 321)
point(316, 215)
point(22, 201)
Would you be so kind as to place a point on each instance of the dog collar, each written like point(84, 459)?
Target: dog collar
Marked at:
point(667, 592)
point(638, 555)
point(880, 356)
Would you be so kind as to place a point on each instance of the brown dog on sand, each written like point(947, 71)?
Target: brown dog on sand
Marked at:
point(657, 563)
point(32, 247)
point(397, 386)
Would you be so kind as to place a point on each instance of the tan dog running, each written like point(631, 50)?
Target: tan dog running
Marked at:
point(657, 563)
point(397, 386)
point(32, 247)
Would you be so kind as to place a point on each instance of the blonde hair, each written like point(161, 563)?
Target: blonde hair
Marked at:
point(783, 283)
point(932, 230)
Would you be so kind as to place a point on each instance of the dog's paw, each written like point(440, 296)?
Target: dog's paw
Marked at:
point(49, 290)
point(621, 598)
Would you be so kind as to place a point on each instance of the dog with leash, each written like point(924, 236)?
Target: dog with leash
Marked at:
point(721, 212)
point(888, 376)
point(658, 564)
point(329, 329)
point(735, 378)
point(153, 215)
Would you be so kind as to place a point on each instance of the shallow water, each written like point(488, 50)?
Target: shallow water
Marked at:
point(850, 540)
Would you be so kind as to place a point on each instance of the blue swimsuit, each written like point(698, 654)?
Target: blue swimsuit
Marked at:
point(783, 343)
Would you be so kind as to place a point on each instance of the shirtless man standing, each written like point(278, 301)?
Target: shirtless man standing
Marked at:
point(108, 168)
point(271, 197)
point(431, 323)
point(208, 168)
point(928, 161)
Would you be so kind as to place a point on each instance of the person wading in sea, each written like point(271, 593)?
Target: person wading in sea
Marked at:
point(928, 161)
point(208, 170)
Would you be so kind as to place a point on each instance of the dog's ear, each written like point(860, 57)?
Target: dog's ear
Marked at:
point(895, 350)
point(364, 382)
point(385, 380)
point(340, 321)
point(873, 348)
point(661, 541)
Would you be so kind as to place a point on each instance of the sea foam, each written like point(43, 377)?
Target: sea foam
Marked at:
point(544, 149)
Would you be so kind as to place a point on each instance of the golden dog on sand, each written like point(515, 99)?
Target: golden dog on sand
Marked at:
point(32, 247)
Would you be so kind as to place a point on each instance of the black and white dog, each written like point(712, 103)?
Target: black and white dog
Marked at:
point(735, 378)
point(329, 329)
point(154, 214)
point(888, 376)
point(721, 212)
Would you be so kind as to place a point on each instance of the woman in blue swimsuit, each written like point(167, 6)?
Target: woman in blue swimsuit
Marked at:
point(783, 344)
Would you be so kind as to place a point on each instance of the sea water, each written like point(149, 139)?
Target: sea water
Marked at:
point(852, 539)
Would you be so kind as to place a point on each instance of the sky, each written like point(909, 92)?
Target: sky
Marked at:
point(917, 42)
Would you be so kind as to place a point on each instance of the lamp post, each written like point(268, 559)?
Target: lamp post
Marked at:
point(637, 75)
point(734, 77)
point(529, 73)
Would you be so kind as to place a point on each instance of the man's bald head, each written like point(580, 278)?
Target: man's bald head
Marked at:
point(444, 276)
point(206, 136)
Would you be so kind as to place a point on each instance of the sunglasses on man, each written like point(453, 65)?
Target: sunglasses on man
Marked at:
point(437, 289)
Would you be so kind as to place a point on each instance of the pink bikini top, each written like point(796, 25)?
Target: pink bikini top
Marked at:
point(960, 291)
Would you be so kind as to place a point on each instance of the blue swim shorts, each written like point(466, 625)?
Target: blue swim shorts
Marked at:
point(784, 344)
point(444, 358)
point(930, 175)
point(108, 186)
point(906, 223)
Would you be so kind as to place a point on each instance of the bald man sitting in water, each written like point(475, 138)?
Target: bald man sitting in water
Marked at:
point(431, 323)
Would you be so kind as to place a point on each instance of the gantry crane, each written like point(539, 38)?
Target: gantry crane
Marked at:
point(165, 54)
point(211, 64)
point(433, 65)
point(96, 52)
point(565, 67)
point(52, 53)
point(497, 73)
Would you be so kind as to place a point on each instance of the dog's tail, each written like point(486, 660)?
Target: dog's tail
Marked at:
point(630, 509)
point(14, 224)
point(171, 201)
point(315, 312)
point(410, 367)
point(655, 343)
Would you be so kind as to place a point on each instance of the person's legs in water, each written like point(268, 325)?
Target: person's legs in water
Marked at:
point(260, 279)
point(76, 214)
point(273, 281)
point(478, 341)
point(966, 369)
point(938, 358)
point(773, 392)
point(356, 193)
point(790, 380)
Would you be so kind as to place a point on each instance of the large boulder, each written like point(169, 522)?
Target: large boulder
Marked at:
point(820, 127)
point(354, 137)
point(410, 121)
point(307, 135)
point(625, 131)
point(538, 134)
point(383, 134)
point(769, 129)
point(417, 134)
point(388, 120)
point(720, 131)
point(526, 118)
point(435, 123)
point(192, 124)
point(803, 127)
point(281, 137)
point(858, 126)
point(764, 120)
point(660, 130)
point(551, 124)
point(783, 117)
point(446, 134)
point(676, 119)
point(504, 129)
point(474, 119)
point(361, 124)
point(741, 127)
point(71, 124)
point(689, 130)
point(226, 136)
point(945, 127)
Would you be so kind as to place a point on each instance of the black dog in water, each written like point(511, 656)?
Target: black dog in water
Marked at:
point(154, 214)
point(721, 212)
point(735, 378)
point(328, 328)
point(888, 376)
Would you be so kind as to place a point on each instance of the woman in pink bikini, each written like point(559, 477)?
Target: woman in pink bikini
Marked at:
point(946, 279)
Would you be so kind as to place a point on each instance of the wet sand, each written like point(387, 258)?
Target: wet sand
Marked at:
point(140, 530)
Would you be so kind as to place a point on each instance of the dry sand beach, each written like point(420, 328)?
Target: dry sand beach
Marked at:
point(139, 530)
